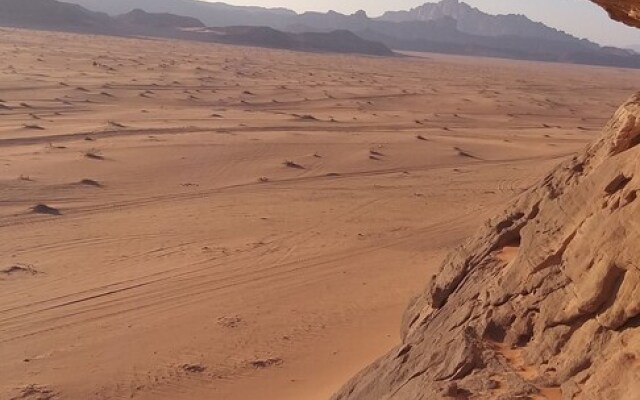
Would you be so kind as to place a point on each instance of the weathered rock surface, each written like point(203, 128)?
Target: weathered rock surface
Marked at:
point(627, 11)
point(544, 300)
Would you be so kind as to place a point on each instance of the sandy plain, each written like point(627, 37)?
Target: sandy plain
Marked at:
point(222, 222)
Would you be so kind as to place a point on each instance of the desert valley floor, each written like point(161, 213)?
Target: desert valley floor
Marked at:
point(195, 221)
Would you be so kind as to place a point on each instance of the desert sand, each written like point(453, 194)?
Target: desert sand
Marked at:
point(198, 221)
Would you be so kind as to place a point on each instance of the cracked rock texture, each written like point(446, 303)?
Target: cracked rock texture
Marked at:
point(627, 11)
point(544, 301)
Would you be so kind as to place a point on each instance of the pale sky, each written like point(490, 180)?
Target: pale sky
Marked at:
point(578, 17)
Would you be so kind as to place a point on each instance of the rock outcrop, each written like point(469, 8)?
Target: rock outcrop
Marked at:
point(543, 301)
point(627, 11)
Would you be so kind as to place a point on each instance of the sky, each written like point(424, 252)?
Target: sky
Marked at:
point(577, 17)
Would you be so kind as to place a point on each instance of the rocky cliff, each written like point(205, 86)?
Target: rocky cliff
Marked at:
point(543, 300)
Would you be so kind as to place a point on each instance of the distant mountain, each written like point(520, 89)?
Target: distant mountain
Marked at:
point(141, 18)
point(442, 35)
point(339, 41)
point(173, 26)
point(211, 14)
point(343, 41)
point(450, 26)
point(47, 14)
point(468, 19)
point(59, 16)
point(473, 21)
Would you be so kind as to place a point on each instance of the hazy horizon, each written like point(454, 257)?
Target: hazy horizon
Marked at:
point(580, 18)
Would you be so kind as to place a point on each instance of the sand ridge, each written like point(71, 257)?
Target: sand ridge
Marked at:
point(205, 221)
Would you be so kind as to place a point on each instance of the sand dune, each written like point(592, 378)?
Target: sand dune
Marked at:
point(197, 221)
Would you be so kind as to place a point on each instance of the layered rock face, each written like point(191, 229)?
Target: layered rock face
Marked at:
point(627, 11)
point(543, 301)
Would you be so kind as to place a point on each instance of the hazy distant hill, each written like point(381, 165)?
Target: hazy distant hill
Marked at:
point(442, 35)
point(211, 14)
point(142, 18)
point(450, 26)
point(338, 41)
point(55, 15)
point(468, 19)
point(47, 14)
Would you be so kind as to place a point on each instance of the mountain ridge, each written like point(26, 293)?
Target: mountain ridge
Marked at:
point(473, 21)
point(474, 33)
point(51, 14)
point(62, 16)
point(139, 17)
point(210, 13)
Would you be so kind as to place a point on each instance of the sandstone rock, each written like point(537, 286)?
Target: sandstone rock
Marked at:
point(627, 11)
point(562, 316)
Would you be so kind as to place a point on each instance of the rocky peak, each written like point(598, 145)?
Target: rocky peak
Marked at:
point(473, 21)
point(361, 14)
